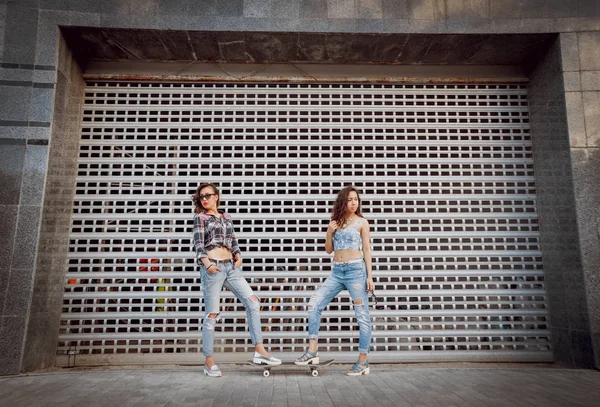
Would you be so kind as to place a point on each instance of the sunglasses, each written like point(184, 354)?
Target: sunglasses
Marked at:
point(207, 196)
point(373, 300)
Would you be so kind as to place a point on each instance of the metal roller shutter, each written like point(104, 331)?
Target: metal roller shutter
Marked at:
point(447, 181)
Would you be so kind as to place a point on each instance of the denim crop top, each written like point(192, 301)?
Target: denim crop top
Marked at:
point(348, 238)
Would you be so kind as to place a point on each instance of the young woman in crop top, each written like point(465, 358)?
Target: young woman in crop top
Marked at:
point(348, 237)
point(219, 256)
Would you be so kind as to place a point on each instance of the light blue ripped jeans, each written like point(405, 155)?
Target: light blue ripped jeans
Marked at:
point(352, 277)
point(212, 285)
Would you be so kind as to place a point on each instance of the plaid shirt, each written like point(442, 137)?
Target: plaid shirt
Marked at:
point(211, 232)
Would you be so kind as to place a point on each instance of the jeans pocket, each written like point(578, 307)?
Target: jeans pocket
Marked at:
point(357, 271)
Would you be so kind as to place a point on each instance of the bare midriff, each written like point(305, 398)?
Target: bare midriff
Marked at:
point(219, 253)
point(347, 255)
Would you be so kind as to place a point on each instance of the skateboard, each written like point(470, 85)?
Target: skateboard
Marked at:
point(314, 369)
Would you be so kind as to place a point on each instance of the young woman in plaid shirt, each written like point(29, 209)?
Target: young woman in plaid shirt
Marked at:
point(220, 260)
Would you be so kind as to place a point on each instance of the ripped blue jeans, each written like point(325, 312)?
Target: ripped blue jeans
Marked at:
point(352, 277)
point(212, 285)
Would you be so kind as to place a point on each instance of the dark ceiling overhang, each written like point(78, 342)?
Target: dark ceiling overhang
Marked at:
point(104, 44)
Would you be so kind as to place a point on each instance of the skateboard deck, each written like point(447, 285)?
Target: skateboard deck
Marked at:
point(314, 369)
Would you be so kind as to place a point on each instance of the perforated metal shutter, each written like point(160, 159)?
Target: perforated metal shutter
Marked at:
point(447, 182)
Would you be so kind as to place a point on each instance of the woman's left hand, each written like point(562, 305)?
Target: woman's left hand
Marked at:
point(370, 284)
point(237, 264)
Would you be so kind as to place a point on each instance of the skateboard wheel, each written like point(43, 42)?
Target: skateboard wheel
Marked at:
point(314, 372)
point(266, 373)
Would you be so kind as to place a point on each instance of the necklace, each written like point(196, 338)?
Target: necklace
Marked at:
point(347, 222)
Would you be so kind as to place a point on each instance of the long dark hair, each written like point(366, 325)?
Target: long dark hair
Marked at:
point(196, 196)
point(338, 213)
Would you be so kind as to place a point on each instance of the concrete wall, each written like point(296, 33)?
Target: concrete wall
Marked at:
point(557, 210)
point(38, 169)
point(53, 241)
point(34, 84)
point(581, 72)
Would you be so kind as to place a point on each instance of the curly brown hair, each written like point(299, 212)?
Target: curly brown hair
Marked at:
point(196, 197)
point(338, 213)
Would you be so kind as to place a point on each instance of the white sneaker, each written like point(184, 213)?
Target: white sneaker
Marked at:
point(214, 371)
point(263, 360)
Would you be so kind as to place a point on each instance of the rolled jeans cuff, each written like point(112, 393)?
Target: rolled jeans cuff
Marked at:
point(365, 351)
point(313, 336)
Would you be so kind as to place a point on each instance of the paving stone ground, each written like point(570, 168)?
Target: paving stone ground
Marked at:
point(387, 385)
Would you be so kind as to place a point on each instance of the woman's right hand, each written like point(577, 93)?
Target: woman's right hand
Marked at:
point(213, 269)
point(333, 226)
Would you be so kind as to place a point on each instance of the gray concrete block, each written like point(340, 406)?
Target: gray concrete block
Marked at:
point(591, 109)
point(578, 24)
point(572, 81)
point(590, 80)
point(34, 174)
point(12, 160)
point(561, 346)
point(420, 9)
point(586, 180)
point(84, 19)
point(504, 9)
point(26, 3)
point(20, 34)
point(13, 132)
point(42, 103)
point(4, 275)
point(185, 21)
point(26, 238)
point(61, 5)
point(466, 10)
point(8, 225)
point(566, 25)
point(465, 23)
point(18, 294)
point(341, 9)
point(231, 8)
point(64, 61)
point(288, 9)
point(561, 9)
point(44, 76)
point(41, 340)
point(143, 7)
point(575, 119)
point(588, 8)
point(185, 7)
point(20, 75)
point(581, 348)
point(12, 332)
point(370, 25)
point(257, 8)
point(43, 284)
point(569, 52)
point(369, 9)
point(394, 9)
point(313, 9)
point(576, 303)
point(519, 26)
point(559, 318)
point(125, 19)
point(589, 50)
point(596, 345)
point(2, 26)
point(15, 102)
point(533, 9)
